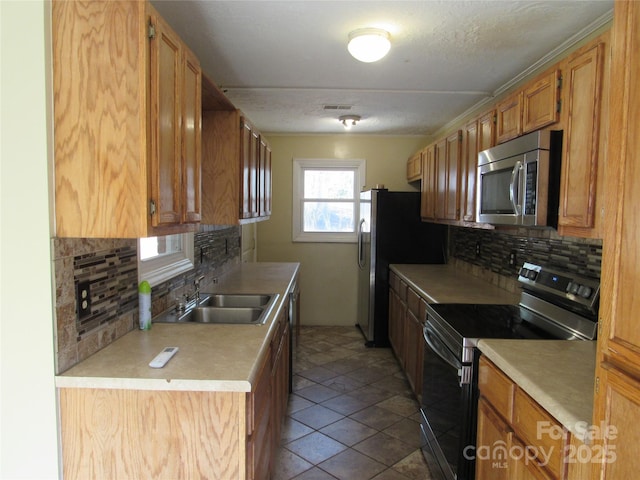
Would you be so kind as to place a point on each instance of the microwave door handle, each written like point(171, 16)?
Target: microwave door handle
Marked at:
point(515, 180)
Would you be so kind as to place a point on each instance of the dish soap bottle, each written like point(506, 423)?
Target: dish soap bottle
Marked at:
point(144, 305)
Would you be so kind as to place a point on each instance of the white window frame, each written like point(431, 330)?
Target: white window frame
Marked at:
point(358, 166)
point(157, 270)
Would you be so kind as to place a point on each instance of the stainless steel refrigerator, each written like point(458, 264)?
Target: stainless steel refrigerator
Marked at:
point(390, 231)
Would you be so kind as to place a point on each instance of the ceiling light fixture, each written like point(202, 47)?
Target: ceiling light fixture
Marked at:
point(349, 120)
point(369, 44)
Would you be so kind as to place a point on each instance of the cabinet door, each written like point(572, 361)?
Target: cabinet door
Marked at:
point(493, 436)
point(166, 153)
point(414, 167)
point(454, 143)
point(620, 415)
point(264, 179)
point(191, 146)
point(583, 106)
point(620, 302)
point(248, 170)
point(428, 185)
point(469, 166)
point(441, 179)
point(540, 102)
point(487, 131)
point(509, 118)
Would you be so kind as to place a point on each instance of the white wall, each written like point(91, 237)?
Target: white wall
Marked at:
point(28, 442)
point(328, 272)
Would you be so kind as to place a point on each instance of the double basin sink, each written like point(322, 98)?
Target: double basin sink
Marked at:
point(224, 309)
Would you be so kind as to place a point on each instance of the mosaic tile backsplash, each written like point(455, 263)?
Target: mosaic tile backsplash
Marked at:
point(110, 267)
point(491, 249)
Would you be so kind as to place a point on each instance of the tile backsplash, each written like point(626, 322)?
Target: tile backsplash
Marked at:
point(487, 252)
point(110, 266)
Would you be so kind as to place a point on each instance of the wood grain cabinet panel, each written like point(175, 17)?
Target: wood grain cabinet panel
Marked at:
point(617, 389)
point(540, 102)
point(414, 167)
point(583, 159)
point(236, 166)
point(468, 171)
point(126, 112)
point(428, 185)
point(509, 118)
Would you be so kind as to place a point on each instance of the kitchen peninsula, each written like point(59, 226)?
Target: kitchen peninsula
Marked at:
point(212, 411)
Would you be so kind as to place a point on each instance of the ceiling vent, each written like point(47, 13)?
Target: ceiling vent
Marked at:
point(337, 107)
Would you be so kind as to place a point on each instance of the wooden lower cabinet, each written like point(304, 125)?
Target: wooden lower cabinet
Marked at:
point(134, 434)
point(518, 439)
point(406, 309)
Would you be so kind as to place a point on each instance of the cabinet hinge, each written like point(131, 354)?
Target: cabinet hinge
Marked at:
point(152, 207)
point(597, 384)
point(559, 106)
point(559, 83)
point(152, 31)
point(460, 136)
point(495, 119)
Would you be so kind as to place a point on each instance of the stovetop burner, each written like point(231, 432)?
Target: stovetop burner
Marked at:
point(553, 305)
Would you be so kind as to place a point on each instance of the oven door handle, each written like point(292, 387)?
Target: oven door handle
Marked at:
point(439, 348)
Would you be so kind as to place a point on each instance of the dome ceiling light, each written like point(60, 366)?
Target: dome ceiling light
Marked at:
point(349, 120)
point(369, 44)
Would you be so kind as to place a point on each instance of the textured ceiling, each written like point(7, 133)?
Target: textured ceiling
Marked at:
point(281, 62)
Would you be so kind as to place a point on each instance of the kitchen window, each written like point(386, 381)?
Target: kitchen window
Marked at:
point(162, 258)
point(326, 193)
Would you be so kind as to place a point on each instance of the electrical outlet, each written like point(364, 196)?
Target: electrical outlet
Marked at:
point(512, 258)
point(83, 299)
point(477, 249)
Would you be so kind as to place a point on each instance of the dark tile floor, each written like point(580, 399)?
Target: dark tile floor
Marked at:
point(352, 415)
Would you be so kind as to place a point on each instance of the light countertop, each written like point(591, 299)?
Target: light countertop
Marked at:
point(210, 357)
point(558, 374)
point(448, 284)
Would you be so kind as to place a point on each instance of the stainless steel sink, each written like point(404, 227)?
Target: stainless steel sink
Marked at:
point(229, 315)
point(232, 300)
point(224, 309)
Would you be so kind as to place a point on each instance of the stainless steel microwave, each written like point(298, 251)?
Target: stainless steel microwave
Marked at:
point(519, 181)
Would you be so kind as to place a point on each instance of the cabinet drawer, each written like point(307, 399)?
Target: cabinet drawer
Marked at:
point(496, 387)
point(539, 431)
point(413, 303)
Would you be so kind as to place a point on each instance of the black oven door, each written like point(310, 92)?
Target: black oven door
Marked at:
point(444, 409)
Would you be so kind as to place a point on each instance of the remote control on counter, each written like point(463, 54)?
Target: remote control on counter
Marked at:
point(163, 357)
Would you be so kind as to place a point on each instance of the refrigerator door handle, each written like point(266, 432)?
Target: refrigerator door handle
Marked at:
point(360, 245)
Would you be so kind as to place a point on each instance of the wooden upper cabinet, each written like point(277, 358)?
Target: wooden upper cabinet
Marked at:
point(441, 179)
point(264, 178)
point(509, 118)
point(414, 167)
point(236, 170)
point(468, 169)
point(120, 138)
point(454, 156)
point(487, 130)
point(428, 185)
point(192, 140)
point(583, 156)
point(540, 102)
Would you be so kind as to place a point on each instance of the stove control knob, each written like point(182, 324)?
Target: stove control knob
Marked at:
point(573, 288)
point(584, 291)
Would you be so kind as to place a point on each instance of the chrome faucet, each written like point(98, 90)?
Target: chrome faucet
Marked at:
point(196, 283)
